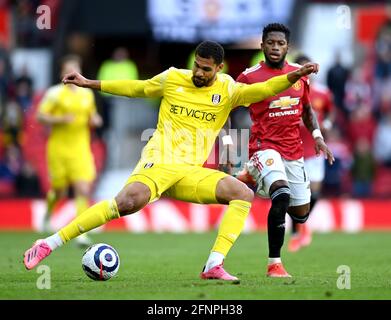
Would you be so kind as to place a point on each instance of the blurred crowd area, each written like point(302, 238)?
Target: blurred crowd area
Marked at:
point(360, 137)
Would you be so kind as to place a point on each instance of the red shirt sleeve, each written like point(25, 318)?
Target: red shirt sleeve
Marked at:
point(242, 78)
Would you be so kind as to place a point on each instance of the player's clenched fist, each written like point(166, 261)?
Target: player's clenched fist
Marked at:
point(305, 70)
point(309, 68)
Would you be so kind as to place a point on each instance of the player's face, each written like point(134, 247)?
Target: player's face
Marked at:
point(204, 71)
point(275, 47)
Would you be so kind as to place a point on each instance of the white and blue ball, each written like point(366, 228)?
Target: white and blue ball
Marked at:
point(100, 262)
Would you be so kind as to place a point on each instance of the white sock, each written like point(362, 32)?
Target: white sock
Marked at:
point(215, 258)
point(54, 241)
point(273, 260)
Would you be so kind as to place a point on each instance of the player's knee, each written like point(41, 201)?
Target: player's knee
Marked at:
point(280, 199)
point(128, 204)
point(248, 194)
point(280, 202)
point(230, 188)
point(131, 199)
point(125, 205)
point(242, 192)
point(299, 211)
point(299, 214)
point(300, 219)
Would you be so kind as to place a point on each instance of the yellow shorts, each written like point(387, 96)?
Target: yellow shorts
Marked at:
point(182, 182)
point(65, 170)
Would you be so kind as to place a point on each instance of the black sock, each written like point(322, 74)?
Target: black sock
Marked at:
point(276, 221)
point(294, 227)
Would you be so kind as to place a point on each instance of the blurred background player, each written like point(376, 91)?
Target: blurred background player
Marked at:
point(322, 103)
point(69, 111)
point(276, 162)
point(119, 66)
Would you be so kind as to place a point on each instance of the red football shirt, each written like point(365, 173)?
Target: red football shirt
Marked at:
point(322, 103)
point(276, 120)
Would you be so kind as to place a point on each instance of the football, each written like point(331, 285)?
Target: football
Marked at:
point(100, 262)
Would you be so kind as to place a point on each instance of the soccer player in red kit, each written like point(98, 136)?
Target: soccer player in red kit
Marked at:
point(276, 162)
point(322, 103)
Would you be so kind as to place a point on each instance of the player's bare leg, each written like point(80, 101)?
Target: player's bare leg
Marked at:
point(301, 234)
point(239, 197)
point(299, 215)
point(130, 199)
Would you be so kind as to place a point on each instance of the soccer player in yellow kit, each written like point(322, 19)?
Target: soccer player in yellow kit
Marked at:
point(194, 107)
point(69, 111)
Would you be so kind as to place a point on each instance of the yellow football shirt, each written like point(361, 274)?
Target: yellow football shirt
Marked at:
point(73, 137)
point(190, 118)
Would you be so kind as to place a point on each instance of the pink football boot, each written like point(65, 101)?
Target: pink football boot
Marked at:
point(39, 251)
point(218, 273)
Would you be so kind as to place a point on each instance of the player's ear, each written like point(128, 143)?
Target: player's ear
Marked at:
point(220, 67)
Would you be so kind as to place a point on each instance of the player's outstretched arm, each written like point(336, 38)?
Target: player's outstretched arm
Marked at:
point(305, 70)
point(128, 88)
point(260, 91)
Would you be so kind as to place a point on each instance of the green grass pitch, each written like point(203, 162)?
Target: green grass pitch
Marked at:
point(167, 266)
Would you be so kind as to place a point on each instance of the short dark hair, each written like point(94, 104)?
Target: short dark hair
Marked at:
point(210, 49)
point(276, 27)
point(301, 58)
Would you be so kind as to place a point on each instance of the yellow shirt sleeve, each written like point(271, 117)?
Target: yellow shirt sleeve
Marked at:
point(150, 88)
point(245, 94)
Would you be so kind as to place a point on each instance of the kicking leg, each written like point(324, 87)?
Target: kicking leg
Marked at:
point(131, 199)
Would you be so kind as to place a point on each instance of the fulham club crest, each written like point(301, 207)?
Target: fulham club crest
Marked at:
point(216, 98)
